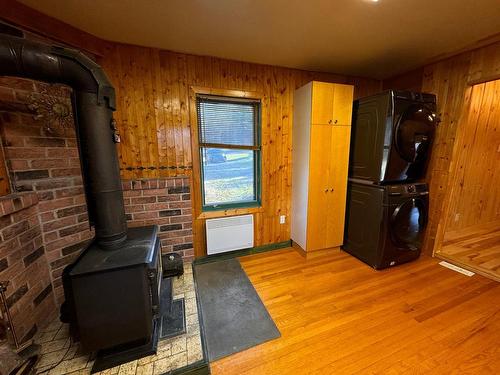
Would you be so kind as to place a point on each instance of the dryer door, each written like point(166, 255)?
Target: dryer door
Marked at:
point(408, 223)
point(414, 132)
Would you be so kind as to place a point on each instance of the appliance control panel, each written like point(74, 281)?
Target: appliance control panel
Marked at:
point(408, 189)
point(415, 96)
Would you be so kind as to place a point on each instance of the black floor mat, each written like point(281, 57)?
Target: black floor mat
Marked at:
point(233, 316)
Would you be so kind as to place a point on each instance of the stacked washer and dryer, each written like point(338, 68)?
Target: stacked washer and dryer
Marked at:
point(387, 206)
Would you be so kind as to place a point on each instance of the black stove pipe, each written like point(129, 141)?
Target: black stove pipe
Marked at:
point(93, 105)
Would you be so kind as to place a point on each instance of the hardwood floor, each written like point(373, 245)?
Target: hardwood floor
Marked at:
point(338, 316)
point(476, 248)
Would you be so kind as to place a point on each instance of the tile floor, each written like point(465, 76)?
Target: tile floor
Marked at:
point(172, 353)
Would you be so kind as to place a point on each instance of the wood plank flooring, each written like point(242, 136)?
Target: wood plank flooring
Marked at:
point(476, 248)
point(338, 316)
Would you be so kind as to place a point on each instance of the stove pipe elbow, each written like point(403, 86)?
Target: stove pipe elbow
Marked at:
point(93, 101)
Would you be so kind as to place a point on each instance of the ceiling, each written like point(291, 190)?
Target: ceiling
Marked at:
point(359, 37)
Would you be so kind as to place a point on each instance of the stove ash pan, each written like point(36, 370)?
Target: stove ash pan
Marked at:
point(113, 296)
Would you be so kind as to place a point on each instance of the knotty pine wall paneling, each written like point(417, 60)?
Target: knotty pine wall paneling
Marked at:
point(153, 94)
point(474, 191)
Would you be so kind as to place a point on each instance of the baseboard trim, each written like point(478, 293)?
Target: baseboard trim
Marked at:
point(197, 368)
point(241, 253)
point(299, 249)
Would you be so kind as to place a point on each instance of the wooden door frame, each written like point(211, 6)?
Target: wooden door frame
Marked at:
point(199, 216)
point(452, 172)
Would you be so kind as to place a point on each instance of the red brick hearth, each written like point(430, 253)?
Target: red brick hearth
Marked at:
point(44, 223)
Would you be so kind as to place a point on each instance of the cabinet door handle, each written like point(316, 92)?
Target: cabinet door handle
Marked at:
point(330, 122)
point(331, 189)
point(335, 121)
point(326, 190)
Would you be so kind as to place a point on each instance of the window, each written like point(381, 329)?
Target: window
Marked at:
point(229, 141)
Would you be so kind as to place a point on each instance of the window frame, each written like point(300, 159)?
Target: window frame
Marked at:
point(256, 148)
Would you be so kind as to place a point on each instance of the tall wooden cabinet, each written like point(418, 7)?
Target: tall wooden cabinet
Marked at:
point(320, 157)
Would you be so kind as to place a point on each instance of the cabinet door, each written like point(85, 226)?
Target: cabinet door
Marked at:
point(342, 104)
point(322, 103)
point(319, 161)
point(332, 103)
point(337, 184)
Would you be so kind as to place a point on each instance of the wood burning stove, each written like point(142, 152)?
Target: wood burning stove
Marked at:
point(113, 289)
point(114, 296)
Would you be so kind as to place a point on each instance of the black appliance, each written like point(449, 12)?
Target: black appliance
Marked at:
point(112, 289)
point(117, 291)
point(392, 135)
point(385, 223)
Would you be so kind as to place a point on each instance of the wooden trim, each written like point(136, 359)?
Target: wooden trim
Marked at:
point(299, 249)
point(228, 99)
point(227, 93)
point(311, 254)
point(241, 253)
point(199, 217)
point(34, 21)
point(229, 212)
point(468, 266)
point(233, 147)
point(484, 79)
point(452, 172)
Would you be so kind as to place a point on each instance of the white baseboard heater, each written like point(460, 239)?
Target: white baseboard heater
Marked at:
point(229, 233)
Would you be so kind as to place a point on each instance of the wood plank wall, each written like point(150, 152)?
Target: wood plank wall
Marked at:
point(450, 80)
point(475, 190)
point(153, 116)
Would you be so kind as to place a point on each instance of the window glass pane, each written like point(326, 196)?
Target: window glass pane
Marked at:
point(228, 176)
point(226, 122)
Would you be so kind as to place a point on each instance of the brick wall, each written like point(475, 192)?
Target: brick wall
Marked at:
point(43, 158)
point(167, 203)
point(23, 263)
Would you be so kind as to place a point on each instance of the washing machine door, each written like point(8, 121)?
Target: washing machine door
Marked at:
point(414, 132)
point(408, 223)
